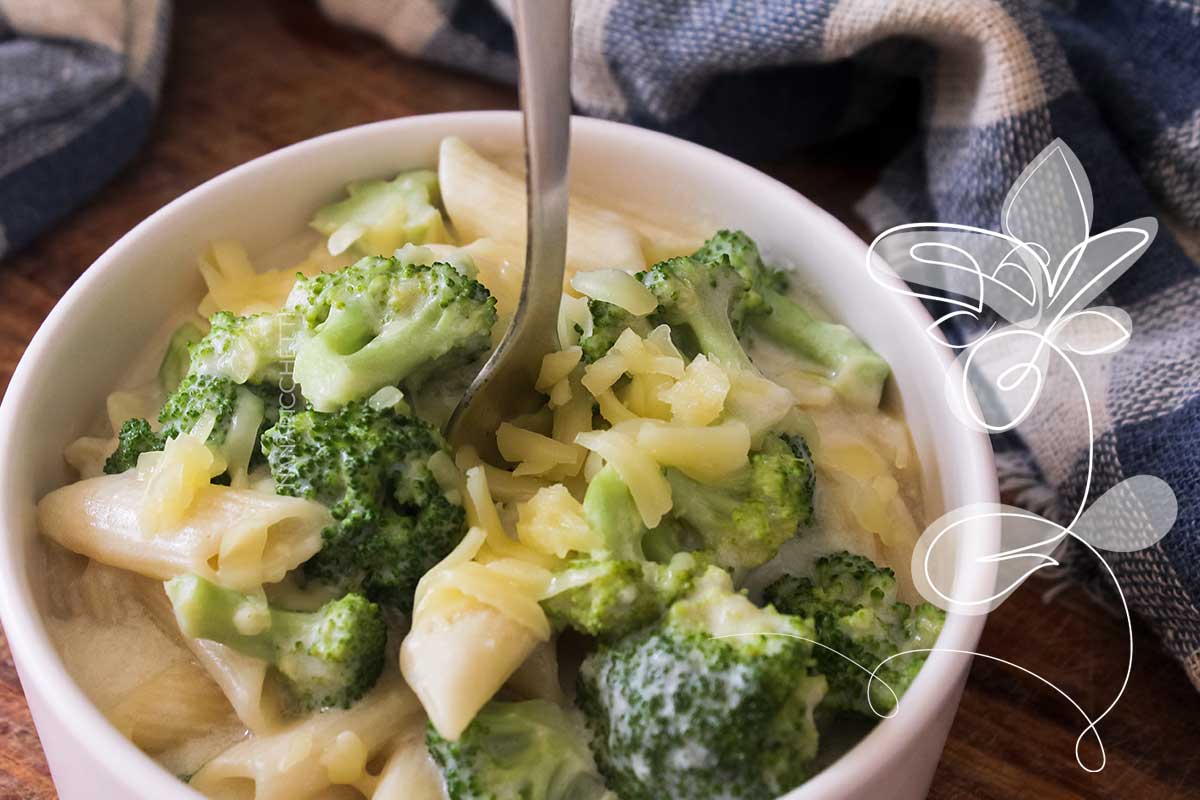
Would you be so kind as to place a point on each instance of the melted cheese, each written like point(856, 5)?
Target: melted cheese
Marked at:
point(698, 398)
point(175, 475)
point(650, 490)
point(618, 287)
point(552, 521)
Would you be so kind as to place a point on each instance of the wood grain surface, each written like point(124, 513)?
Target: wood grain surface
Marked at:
point(247, 78)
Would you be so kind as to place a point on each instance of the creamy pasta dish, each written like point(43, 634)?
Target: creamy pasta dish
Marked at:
point(685, 575)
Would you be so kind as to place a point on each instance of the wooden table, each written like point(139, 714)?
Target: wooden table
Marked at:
point(248, 78)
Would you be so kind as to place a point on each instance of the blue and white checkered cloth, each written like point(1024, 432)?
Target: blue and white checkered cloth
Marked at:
point(998, 80)
point(78, 84)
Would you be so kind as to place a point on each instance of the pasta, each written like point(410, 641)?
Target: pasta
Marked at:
point(473, 625)
point(243, 680)
point(410, 773)
point(456, 659)
point(238, 538)
point(178, 704)
point(309, 755)
point(485, 202)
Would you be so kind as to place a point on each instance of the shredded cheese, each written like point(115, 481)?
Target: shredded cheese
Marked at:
point(615, 286)
point(630, 354)
point(704, 453)
point(574, 320)
point(556, 367)
point(612, 409)
point(174, 475)
point(552, 522)
point(511, 589)
point(519, 445)
point(234, 285)
point(345, 759)
point(650, 490)
point(481, 513)
point(698, 398)
point(642, 396)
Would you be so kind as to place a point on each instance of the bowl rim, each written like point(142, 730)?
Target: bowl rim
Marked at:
point(46, 675)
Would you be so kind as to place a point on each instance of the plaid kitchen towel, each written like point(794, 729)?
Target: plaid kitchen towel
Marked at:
point(79, 80)
point(1118, 81)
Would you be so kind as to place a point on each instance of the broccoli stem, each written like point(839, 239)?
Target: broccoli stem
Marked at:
point(329, 657)
point(176, 360)
point(609, 509)
point(205, 610)
point(716, 337)
point(857, 372)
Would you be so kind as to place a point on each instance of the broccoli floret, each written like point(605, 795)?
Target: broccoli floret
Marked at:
point(176, 361)
point(609, 509)
point(703, 300)
point(254, 348)
point(241, 412)
point(716, 700)
point(533, 750)
point(381, 321)
point(615, 589)
point(196, 397)
point(853, 604)
point(238, 413)
point(609, 322)
point(857, 372)
point(613, 598)
point(746, 517)
point(392, 520)
point(380, 216)
point(134, 438)
point(329, 657)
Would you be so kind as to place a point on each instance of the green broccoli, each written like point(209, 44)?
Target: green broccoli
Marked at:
point(329, 657)
point(853, 604)
point(134, 438)
point(615, 589)
point(380, 216)
point(856, 371)
point(370, 466)
point(201, 395)
point(381, 321)
point(609, 322)
point(239, 414)
point(701, 300)
point(251, 349)
point(175, 361)
point(716, 700)
point(533, 750)
point(745, 518)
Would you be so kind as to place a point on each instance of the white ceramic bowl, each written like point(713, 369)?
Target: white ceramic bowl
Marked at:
point(127, 294)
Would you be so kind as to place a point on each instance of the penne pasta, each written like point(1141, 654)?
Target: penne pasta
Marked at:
point(456, 659)
point(237, 538)
point(485, 201)
point(179, 703)
point(310, 755)
point(410, 773)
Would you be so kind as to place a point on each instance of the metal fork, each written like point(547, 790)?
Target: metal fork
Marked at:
point(504, 387)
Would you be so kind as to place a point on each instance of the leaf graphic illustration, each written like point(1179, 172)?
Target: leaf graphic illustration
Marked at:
point(1092, 265)
point(1133, 515)
point(965, 267)
point(1094, 331)
point(970, 560)
point(1049, 207)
